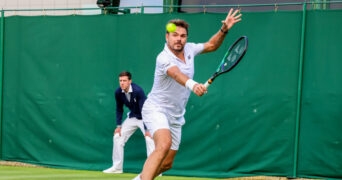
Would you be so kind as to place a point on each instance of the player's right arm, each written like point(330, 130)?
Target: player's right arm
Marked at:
point(175, 73)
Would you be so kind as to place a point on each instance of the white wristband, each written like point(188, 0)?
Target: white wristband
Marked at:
point(190, 84)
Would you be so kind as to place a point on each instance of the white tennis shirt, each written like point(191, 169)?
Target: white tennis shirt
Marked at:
point(167, 95)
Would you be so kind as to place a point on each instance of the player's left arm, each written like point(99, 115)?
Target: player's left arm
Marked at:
point(216, 40)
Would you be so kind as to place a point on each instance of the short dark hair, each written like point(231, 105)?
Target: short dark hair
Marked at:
point(179, 22)
point(126, 73)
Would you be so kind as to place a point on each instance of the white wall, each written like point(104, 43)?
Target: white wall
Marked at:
point(70, 4)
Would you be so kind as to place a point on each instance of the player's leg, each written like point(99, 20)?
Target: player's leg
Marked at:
point(158, 125)
point(176, 136)
point(167, 162)
point(162, 139)
point(149, 142)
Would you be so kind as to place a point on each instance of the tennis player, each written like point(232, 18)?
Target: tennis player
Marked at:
point(132, 96)
point(163, 111)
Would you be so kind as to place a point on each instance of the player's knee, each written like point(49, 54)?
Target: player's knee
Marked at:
point(166, 166)
point(163, 147)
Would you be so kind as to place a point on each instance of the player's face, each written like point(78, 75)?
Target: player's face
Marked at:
point(124, 83)
point(176, 40)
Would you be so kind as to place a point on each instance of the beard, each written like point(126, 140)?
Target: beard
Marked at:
point(177, 47)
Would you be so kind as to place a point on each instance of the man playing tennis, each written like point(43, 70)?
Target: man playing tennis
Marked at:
point(163, 111)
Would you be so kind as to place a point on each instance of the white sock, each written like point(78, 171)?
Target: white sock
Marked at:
point(137, 177)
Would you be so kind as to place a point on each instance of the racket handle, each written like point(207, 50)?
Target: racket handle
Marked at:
point(206, 84)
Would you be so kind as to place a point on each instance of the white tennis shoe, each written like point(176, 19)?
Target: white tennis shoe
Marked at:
point(112, 170)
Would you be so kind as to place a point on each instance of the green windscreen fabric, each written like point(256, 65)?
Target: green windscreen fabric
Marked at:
point(60, 73)
point(321, 121)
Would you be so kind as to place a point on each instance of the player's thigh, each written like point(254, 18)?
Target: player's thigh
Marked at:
point(155, 120)
point(176, 134)
point(163, 140)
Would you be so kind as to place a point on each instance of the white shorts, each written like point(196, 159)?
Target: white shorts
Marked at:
point(155, 119)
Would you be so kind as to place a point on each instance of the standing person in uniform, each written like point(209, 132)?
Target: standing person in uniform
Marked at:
point(164, 109)
point(133, 97)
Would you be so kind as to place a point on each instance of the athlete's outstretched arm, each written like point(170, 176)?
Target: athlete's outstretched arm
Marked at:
point(216, 40)
point(181, 78)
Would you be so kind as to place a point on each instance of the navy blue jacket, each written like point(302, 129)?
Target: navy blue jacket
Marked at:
point(135, 105)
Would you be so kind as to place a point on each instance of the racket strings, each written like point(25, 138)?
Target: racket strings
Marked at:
point(233, 56)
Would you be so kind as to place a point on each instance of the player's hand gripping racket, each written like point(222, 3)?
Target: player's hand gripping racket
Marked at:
point(232, 57)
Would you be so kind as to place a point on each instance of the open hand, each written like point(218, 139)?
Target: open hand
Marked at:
point(233, 17)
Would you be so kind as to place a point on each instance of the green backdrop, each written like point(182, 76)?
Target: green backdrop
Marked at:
point(278, 113)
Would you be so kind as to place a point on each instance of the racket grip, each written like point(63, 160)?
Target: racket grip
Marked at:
point(207, 84)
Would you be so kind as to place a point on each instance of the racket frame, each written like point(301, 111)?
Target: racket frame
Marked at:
point(217, 73)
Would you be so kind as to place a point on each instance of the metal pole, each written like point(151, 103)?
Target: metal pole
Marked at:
point(1, 73)
point(299, 93)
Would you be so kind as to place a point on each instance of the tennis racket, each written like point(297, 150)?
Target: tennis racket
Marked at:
point(232, 57)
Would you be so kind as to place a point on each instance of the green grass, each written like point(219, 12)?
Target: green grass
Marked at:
point(17, 171)
point(34, 173)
